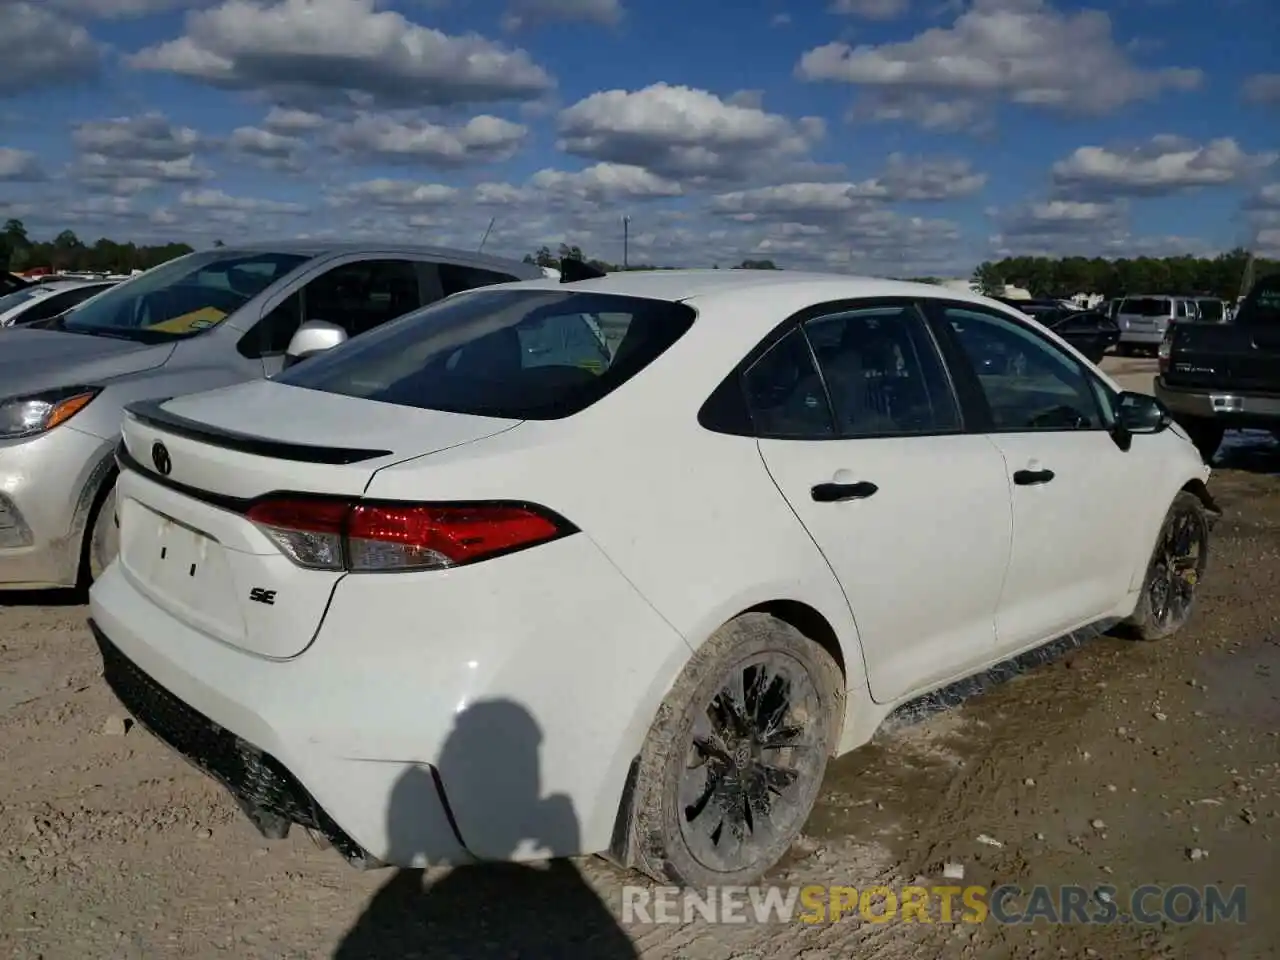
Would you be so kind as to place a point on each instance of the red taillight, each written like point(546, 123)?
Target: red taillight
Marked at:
point(364, 537)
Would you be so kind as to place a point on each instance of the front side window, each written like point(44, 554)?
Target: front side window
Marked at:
point(356, 296)
point(181, 298)
point(883, 372)
point(1029, 384)
point(516, 354)
point(362, 295)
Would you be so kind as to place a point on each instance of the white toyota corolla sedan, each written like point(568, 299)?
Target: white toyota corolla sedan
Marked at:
point(616, 565)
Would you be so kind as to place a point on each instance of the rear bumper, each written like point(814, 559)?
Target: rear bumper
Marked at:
point(242, 720)
point(432, 715)
point(1231, 409)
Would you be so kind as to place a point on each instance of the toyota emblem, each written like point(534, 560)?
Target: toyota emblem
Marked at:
point(160, 457)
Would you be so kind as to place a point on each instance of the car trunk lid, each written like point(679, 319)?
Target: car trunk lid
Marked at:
point(191, 472)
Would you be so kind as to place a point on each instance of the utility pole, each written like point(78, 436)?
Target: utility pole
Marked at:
point(626, 242)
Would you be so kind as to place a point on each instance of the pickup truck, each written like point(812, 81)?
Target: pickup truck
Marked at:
point(1219, 376)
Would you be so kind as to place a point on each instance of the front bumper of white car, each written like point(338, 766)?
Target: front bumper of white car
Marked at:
point(431, 715)
point(47, 489)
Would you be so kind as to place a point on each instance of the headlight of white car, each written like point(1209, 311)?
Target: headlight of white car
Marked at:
point(37, 413)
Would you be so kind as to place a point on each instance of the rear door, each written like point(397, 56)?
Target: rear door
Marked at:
point(192, 468)
point(1073, 532)
point(861, 431)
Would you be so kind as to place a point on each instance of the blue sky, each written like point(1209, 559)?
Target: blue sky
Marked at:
point(881, 136)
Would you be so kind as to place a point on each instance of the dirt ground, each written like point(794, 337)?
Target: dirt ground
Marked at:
point(1108, 766)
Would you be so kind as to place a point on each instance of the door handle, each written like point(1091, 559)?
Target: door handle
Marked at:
point(1027, 478)
point(837, 492)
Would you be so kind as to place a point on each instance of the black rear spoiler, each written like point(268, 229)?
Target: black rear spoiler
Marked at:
point(571, 271)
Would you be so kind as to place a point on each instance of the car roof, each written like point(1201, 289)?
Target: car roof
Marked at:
point(680, 285)
point(57, 286)
point(318, 248)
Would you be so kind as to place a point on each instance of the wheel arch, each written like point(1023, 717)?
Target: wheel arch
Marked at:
point(99, 480)
point(857, 725)
point(1200, 490)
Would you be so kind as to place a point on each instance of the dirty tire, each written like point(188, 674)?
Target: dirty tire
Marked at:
point(665, 844)
point(1186, 519)
point(102, 535)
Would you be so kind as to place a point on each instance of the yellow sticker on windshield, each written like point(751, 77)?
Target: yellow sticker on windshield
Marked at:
point(189, 322)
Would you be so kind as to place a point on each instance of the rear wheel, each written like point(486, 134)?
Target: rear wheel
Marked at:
point(735, 758)
point(1206, 435)
point(1177, 566)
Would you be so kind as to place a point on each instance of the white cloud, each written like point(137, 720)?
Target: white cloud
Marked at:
point(531, 13)
point(19, 166)
point(289, 121)
point(684, 133)
point(129, 155)
point(606, 181)
point(1163, 165)
point(149, 136)
point(904, 179)
point(1021, 51)
point(275, 151)
point(217, 200)
point(310, 50)
point(385, 192)
point(482, 139)
point(38, 49)
point(871, 9)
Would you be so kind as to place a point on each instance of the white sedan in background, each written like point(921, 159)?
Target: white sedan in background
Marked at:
point(44, 301)
point(439, 596)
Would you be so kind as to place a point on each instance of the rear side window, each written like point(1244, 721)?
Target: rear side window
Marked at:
point(517, 354)
point(1147, 307)
point(455, 278)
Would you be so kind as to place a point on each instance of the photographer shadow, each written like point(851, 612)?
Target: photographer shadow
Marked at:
point(492, 909)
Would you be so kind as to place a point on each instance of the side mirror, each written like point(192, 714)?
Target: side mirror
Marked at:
point(314, 336)
point(1141, 413)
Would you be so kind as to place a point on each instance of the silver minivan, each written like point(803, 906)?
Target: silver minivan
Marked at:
point(1144, 319)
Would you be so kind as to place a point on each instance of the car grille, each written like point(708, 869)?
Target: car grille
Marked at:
point(258, 781)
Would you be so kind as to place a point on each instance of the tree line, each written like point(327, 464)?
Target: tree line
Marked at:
point(1218, 276)
point(1041, 276)
point(66, 251)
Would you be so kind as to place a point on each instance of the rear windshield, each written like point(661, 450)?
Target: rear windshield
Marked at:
point(1147, 307)
point(12, 300)
point(1211, 309)
point(517, 354)
point(1262, 306)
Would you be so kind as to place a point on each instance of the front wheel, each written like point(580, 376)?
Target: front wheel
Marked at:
point(1176, 569)
point(102, 540)
point(735, 758)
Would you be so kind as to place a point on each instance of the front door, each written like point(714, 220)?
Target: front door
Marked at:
point(1071, 560)
point(862, 434)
